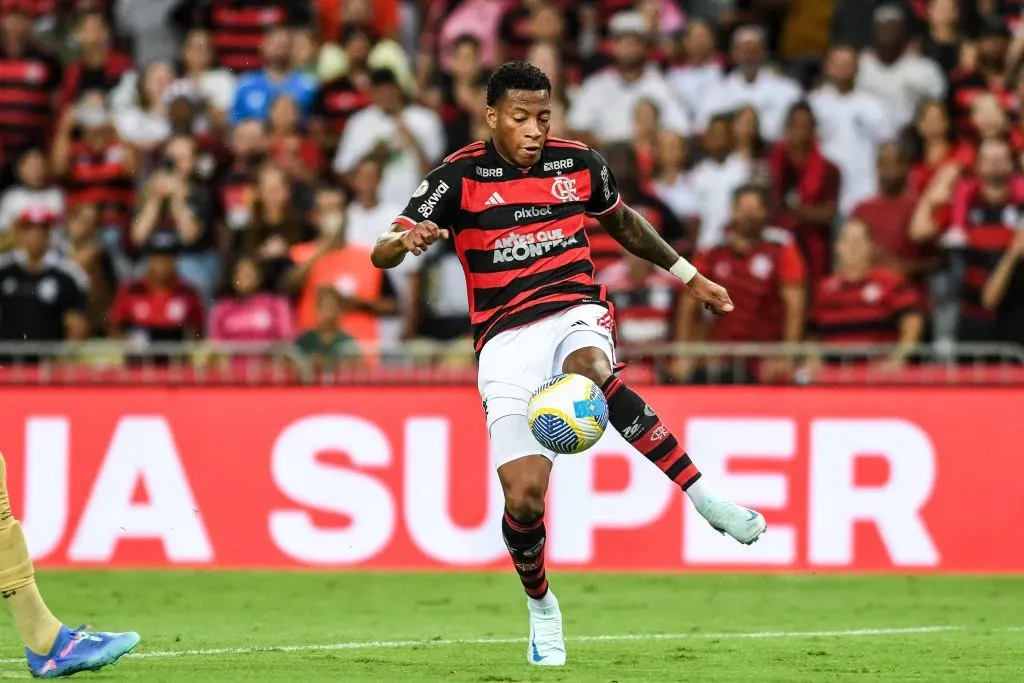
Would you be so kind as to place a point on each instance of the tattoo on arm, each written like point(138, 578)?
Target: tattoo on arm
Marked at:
point(639, 237)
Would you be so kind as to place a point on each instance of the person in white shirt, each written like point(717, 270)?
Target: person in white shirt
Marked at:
point(852, 125)
point(716, 179)
point(363, 217)
point(700, 74)
point(752, 83)
point(33, 193)
point(672, 184)
point(408, 140)
point(898, 77)
point(602, 110)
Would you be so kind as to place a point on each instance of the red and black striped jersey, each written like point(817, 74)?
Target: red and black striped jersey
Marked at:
point(985, 230)
point(238, 27)
point(99, 177)
point(867, 309)
point(27, 84)
point(519, 232)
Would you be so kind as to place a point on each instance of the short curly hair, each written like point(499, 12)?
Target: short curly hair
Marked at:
point(515, 76)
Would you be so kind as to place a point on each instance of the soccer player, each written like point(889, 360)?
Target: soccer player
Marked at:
point(515, 207)
point(53, 650)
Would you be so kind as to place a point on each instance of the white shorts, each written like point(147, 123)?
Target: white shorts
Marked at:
point(514, 363)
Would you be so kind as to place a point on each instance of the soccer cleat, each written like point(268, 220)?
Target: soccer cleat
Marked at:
point(80, 650)
point(746, 526)
point(547, 645)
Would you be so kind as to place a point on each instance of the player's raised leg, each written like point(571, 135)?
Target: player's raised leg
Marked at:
point(524, 481)
point(52, 649)
point(638, 424)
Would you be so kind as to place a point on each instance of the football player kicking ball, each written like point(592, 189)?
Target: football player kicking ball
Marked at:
point(515, 207)
point(53, 650)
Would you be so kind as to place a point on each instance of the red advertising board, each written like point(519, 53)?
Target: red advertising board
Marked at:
point(849, 479)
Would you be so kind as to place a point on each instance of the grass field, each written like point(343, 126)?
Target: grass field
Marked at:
point(472, 627)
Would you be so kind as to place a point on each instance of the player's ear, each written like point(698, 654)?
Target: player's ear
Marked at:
point(491, 116)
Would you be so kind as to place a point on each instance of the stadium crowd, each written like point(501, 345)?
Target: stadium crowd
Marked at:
point(182, 169)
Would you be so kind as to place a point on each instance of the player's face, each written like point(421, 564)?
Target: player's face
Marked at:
point(520, 124)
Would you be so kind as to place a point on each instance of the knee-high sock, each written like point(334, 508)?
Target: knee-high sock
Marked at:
point(37, 626)
point(640, 426)
point(525, 543)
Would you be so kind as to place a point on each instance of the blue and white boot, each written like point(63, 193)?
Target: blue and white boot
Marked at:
point(547, 644)
point(80, 650)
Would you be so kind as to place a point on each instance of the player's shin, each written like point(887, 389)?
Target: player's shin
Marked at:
point(37, 626)
point(638, 424)
point(525, 540)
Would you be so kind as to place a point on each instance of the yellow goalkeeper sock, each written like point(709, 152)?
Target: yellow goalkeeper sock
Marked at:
point(37, 625)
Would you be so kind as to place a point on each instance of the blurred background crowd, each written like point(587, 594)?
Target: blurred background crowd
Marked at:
point(218, 169)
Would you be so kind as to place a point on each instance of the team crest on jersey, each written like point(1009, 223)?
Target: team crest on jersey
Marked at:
point(564, 189)
point(761, 266)
point(872, 293)
point(422, 189)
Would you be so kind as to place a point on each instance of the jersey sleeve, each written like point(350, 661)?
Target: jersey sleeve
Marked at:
point(792, 269)
point(604, 190)
point(436, 199)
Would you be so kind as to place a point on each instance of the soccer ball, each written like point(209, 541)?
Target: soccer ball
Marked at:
point(567, 414)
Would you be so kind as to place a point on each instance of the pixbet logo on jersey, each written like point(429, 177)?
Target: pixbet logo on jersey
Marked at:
point(427, 207)
point(532, 212)
point(515, 247)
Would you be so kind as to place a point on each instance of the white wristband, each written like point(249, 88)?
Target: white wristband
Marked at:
point(684, 270)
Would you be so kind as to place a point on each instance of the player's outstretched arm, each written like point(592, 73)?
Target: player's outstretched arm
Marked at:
point(639, 238)
point(392, 246)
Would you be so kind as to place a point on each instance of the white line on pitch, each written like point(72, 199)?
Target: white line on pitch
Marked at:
point(401, 644)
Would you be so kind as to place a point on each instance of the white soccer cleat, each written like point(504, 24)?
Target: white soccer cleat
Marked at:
point(547, 644)
point(746, 526)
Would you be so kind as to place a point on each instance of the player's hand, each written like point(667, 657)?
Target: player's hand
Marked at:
point(421, 236)
point(712, 295)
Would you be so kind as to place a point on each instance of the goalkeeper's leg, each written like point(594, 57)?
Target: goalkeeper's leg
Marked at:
point(52, 649)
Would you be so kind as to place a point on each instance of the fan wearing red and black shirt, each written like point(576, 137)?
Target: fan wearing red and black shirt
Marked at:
point(862, 303)
point(515, 206)
point(238, 27)
point(99, 67)
point(806, 189)
point(987, 77)
point(763, 268)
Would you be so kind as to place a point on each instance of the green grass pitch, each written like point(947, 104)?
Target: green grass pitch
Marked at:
point(249, 626)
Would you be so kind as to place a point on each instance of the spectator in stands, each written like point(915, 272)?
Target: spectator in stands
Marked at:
point(805, 190)
point(246, 312)
point(145, 124)
point(176, 202)
point(364, 49)
point(646, 118)
point(853, 123)
point(715, 180)
point(459, 95)
point(332, 260)
point(237, 27)
point(673, 184)
point(276, 225)
point(632, 79)
point(258, 90)
point(942, 42)
point(216, 86)
point(529, 22)
point(98, 168)
point(752, 83)
point(900, 78)
point(290, 148)
point(407, 138)
point(34, 191)
point(324, 344)
point(764, 272)
point(888, 216)
point(85, 248)
point(1003, 293)
point(99, 66)
point(701, 71)
point(438, 307)
point(749, 144)
point(345, 92)
point(478, 18)
point(150, 25)
point(42, 295)
point(305, 50)
point(238, 188)
point(932, 136)
point(866, 303)
point(159, 306)
point(987, 75)
point(31, 83)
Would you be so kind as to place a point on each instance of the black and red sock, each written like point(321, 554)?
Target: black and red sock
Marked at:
point(525, 543)
point(640, 426)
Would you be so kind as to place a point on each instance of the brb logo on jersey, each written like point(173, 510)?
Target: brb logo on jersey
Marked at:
point(564, 189)
point(514, 247)
point(427, 207)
